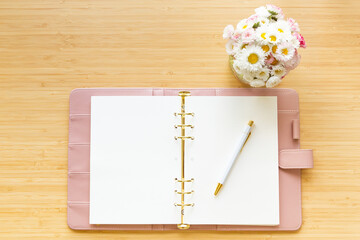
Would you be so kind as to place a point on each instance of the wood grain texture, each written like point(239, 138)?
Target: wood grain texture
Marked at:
point(48, 48)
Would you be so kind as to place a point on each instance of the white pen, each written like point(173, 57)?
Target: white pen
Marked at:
point(239, 147)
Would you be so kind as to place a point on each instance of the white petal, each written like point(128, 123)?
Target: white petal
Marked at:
point(228, 31)
point(257, 83)
point(262, 11)
point(272, 82)
point(230, 46)
point(247, 76)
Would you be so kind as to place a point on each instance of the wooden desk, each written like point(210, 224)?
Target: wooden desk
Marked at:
point(48, 48)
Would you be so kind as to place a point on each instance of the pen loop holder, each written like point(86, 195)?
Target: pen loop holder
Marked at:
point(183, 126)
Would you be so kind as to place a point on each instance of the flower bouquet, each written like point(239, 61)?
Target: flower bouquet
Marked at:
point(264, 47)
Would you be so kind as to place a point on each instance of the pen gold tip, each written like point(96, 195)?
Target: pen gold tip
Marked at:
point(251, 122)
point(218, 187)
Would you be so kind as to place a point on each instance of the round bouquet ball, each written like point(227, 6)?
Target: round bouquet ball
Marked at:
point(263, 48)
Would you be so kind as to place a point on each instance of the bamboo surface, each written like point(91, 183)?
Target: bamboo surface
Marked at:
point(48, 48)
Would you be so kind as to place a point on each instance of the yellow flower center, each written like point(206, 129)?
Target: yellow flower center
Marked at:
point(245, 26)
point(285, 51)
point(265, 48)
point(272, 38)
point(253, 58)
point(278, 71)
point(244, 46)
point(263, 21)
point(263, 35)
point(280, 30)
point(274, 48)
point(262, 74)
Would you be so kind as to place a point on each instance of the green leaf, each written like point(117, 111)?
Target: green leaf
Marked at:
point(256, 25)
point(274, 18)
point(272, 12)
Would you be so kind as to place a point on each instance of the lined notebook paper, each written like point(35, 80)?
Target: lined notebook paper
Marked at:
point(134, 160)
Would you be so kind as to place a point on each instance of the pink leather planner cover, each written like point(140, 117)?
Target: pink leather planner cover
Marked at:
point(291, 158)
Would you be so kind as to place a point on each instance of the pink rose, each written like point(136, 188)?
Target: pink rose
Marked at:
point(301, 39)
point(294, 26)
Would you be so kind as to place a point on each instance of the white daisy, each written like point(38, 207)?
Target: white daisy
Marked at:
point(262, 12)
point(231, 47)
point(266, 48)
point(263, 74)
point(284, 52)
point(251, 58)
point(261, 34)
point(283, 28)
point(273, 36)
point(273, 81)
point(257, 83)
point(243, 25)
point(274, 49)
point(278, 71)
point(263, 21)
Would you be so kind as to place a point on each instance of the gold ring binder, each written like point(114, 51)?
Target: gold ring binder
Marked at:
point(183, 126)
point(184, 205)
point(182, 180)
point(182, 114)
point(184, 192)
point(184, 137)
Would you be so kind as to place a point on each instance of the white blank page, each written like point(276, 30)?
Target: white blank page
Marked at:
point(133, 160)
point(250, 196)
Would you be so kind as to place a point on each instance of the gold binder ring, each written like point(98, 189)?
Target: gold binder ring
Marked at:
point(184, 137)
point(184, 180)
point(184, 93)
point(182, 192)
point(183, 114)
point(184, 126)
point(184, 205)
point(183, 226)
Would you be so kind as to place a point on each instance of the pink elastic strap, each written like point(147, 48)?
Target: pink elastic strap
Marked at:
point(296, 129)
